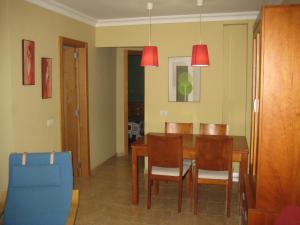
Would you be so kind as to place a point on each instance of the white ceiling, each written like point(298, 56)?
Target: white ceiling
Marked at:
point(95, 11)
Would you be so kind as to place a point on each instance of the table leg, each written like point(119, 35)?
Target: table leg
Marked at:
point(243, 170)
point(134, 178)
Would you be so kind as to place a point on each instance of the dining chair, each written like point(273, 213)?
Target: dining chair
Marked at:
point(213, 165)
point(185, 129)
point(213, 129)
point(166, 163)
point(134, 130)
point(178, 128)
point(40, 190)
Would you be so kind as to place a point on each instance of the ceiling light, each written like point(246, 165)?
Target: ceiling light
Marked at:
point(150, 53)
point(200, 51)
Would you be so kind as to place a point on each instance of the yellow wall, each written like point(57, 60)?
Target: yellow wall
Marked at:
point(6, 118)
point(120, 101)
point(102, 106)
point(235, 66)
point(177, 40)
point(24, 114)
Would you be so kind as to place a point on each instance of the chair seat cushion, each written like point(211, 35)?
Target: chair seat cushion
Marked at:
point(213, 174)
point(191, 162)
point(164, 171)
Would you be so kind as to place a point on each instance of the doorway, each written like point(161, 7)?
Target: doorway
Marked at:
point(74, 103)
point(134, 88)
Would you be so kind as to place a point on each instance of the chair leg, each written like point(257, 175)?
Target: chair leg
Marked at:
point(191, 179)
point(195, 195)
point(149, 192)
point(228, 200)
point(179, 195)
point(189, 183)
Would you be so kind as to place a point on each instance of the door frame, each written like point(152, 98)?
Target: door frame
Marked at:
point(127, 53)
point(84, 153)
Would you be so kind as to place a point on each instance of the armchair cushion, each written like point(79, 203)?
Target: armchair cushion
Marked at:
point(35, 176)
point(39, 193)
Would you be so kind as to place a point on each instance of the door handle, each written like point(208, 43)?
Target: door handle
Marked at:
point(77, 113)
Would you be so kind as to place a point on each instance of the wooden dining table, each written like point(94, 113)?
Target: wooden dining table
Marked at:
point(140, 149)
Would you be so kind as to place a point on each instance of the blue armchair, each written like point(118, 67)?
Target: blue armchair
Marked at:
point(40, 190)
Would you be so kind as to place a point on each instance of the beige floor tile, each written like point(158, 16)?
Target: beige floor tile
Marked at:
point(105, 199)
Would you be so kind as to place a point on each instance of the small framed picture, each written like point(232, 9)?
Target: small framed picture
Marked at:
point(46, 78)
point(184, 80)
point(28, 62)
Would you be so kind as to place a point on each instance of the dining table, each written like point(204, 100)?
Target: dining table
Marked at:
point(140, 149)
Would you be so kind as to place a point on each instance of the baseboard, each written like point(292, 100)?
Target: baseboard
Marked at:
point(109, 158)
point(119, 154)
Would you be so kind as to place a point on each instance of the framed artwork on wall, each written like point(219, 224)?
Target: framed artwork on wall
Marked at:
point(28, 52)
point(184, 80)
point(46, 78)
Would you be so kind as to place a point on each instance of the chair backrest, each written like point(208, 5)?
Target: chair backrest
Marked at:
point(135, 129)
point(39, 189)
point(165, 151)
point(213, 129)
point(214, 152)
point(178, 128)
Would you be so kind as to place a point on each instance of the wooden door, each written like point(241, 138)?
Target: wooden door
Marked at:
point(74, 103)
point(71, 105)
point(256, 85)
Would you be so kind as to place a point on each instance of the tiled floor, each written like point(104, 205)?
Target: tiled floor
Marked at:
point(105, 199)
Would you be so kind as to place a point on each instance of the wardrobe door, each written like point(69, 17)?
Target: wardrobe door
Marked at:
point(255, 105)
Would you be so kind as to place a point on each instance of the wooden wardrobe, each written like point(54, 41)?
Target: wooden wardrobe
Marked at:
point(273, 181)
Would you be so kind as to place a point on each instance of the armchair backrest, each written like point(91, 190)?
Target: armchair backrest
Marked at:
point(39, 189)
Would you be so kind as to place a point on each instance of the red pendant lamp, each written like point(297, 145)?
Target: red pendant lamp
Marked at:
point(200, 51)
point(200, 55)
point(150, 53)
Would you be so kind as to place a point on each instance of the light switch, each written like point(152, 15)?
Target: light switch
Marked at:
point(50, 123)
point(163, 112)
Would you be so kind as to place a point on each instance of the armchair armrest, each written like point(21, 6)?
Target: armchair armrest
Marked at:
point(74, 207)
point(2, 202)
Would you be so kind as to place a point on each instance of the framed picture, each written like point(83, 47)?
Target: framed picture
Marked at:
point(28, 62)
point(46, 78)
point(184, 80)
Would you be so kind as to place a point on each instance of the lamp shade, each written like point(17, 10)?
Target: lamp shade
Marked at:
point(200, 55)
point(149, 56)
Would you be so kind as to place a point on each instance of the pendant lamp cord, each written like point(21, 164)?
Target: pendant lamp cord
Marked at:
point(149, 27)
point(200, 24)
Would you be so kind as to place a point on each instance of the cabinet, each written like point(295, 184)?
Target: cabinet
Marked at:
point(273, 181)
